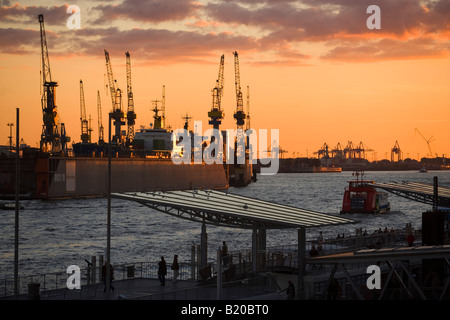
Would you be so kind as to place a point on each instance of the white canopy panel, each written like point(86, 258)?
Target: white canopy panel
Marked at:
point(231, 210)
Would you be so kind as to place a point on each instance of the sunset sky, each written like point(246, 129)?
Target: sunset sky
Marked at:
point(315, 70)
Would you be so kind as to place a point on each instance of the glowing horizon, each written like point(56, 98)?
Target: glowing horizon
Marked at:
point(314, 70)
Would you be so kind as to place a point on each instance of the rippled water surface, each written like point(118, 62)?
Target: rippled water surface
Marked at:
point(58, 233)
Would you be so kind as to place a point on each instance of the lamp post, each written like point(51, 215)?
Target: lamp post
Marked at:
point(16, 219)
point(108, 232)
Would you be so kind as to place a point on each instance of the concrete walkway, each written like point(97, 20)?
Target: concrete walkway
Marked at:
point(137, 288)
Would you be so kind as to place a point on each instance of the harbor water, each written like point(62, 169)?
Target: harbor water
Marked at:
point(54, 234)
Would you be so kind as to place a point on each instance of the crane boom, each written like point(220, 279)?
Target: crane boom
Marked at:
point(163, 107)
point(239, 114)
point(112, 87)
point(131, 115)
point(84, 122)
point(116, 100)
point(216, 114)
point(427, 141)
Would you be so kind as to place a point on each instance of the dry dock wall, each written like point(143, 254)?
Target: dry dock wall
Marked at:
point(89, 176)
point(56, 177)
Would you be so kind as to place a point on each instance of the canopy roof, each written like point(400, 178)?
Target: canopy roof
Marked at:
point(231, 210)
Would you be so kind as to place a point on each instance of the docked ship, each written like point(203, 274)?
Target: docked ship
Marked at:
point(143, 167)
point(362, 197)
point(140, 161)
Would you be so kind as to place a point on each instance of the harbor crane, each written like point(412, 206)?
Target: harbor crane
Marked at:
point(427, 141)
point(337, 151)
point(247, 123)
point(163, 108)
point(361, 149)
point(396, 151)
point(131, 115)
point(323, 152)
point(53, 139)
point(349, 150)
point(99, 115)
point(85, 136)
point(116, 113)
point(239, 115)
point(217, 114)
point(276, 148)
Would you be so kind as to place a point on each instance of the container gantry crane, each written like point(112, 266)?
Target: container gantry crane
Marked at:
point(116, 113)
point(216, 114)
point(53, 139)
point(337, 151)
point(396, 151)
point(131, 115)
point(85, 136)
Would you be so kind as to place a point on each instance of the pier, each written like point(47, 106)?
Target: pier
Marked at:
point(421, 192)
point(261, 272)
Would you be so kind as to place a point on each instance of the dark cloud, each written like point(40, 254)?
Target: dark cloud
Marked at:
point(18, 41)
point(325, 19)
point(148, 10)
point(279, 28)
point(388, 49)
point(53, 15)
point(150, 45)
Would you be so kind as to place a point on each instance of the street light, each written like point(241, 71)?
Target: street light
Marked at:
point(108, 232)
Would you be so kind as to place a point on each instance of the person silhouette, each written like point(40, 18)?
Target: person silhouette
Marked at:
point(162, 271)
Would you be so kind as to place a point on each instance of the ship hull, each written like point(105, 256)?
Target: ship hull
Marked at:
point(62, 177)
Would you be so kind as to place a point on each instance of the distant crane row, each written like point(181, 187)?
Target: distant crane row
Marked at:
point(359, 151)
point(350, 151)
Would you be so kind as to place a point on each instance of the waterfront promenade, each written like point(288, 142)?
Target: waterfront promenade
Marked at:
point(277, 265)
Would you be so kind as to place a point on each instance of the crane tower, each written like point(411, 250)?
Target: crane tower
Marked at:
point(85, 136)
point(99, 114)
point(52, 139)
point(116, 100)
point(216, 114)
point(239, 115)
point(131, 115)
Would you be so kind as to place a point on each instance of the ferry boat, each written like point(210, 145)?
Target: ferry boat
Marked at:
point(362, 197)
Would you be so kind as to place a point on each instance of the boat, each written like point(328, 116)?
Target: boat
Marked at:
point(423, 169)
point(361, 196)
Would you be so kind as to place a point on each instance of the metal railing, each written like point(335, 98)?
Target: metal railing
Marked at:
point(284, 256)
point(91, 276)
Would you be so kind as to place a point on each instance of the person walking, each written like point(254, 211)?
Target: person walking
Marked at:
point(175, 268)
point(162, 271)
point(225, 254)
point(290, 290)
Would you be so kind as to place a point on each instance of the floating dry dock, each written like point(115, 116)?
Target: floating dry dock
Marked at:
point(45, 177)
